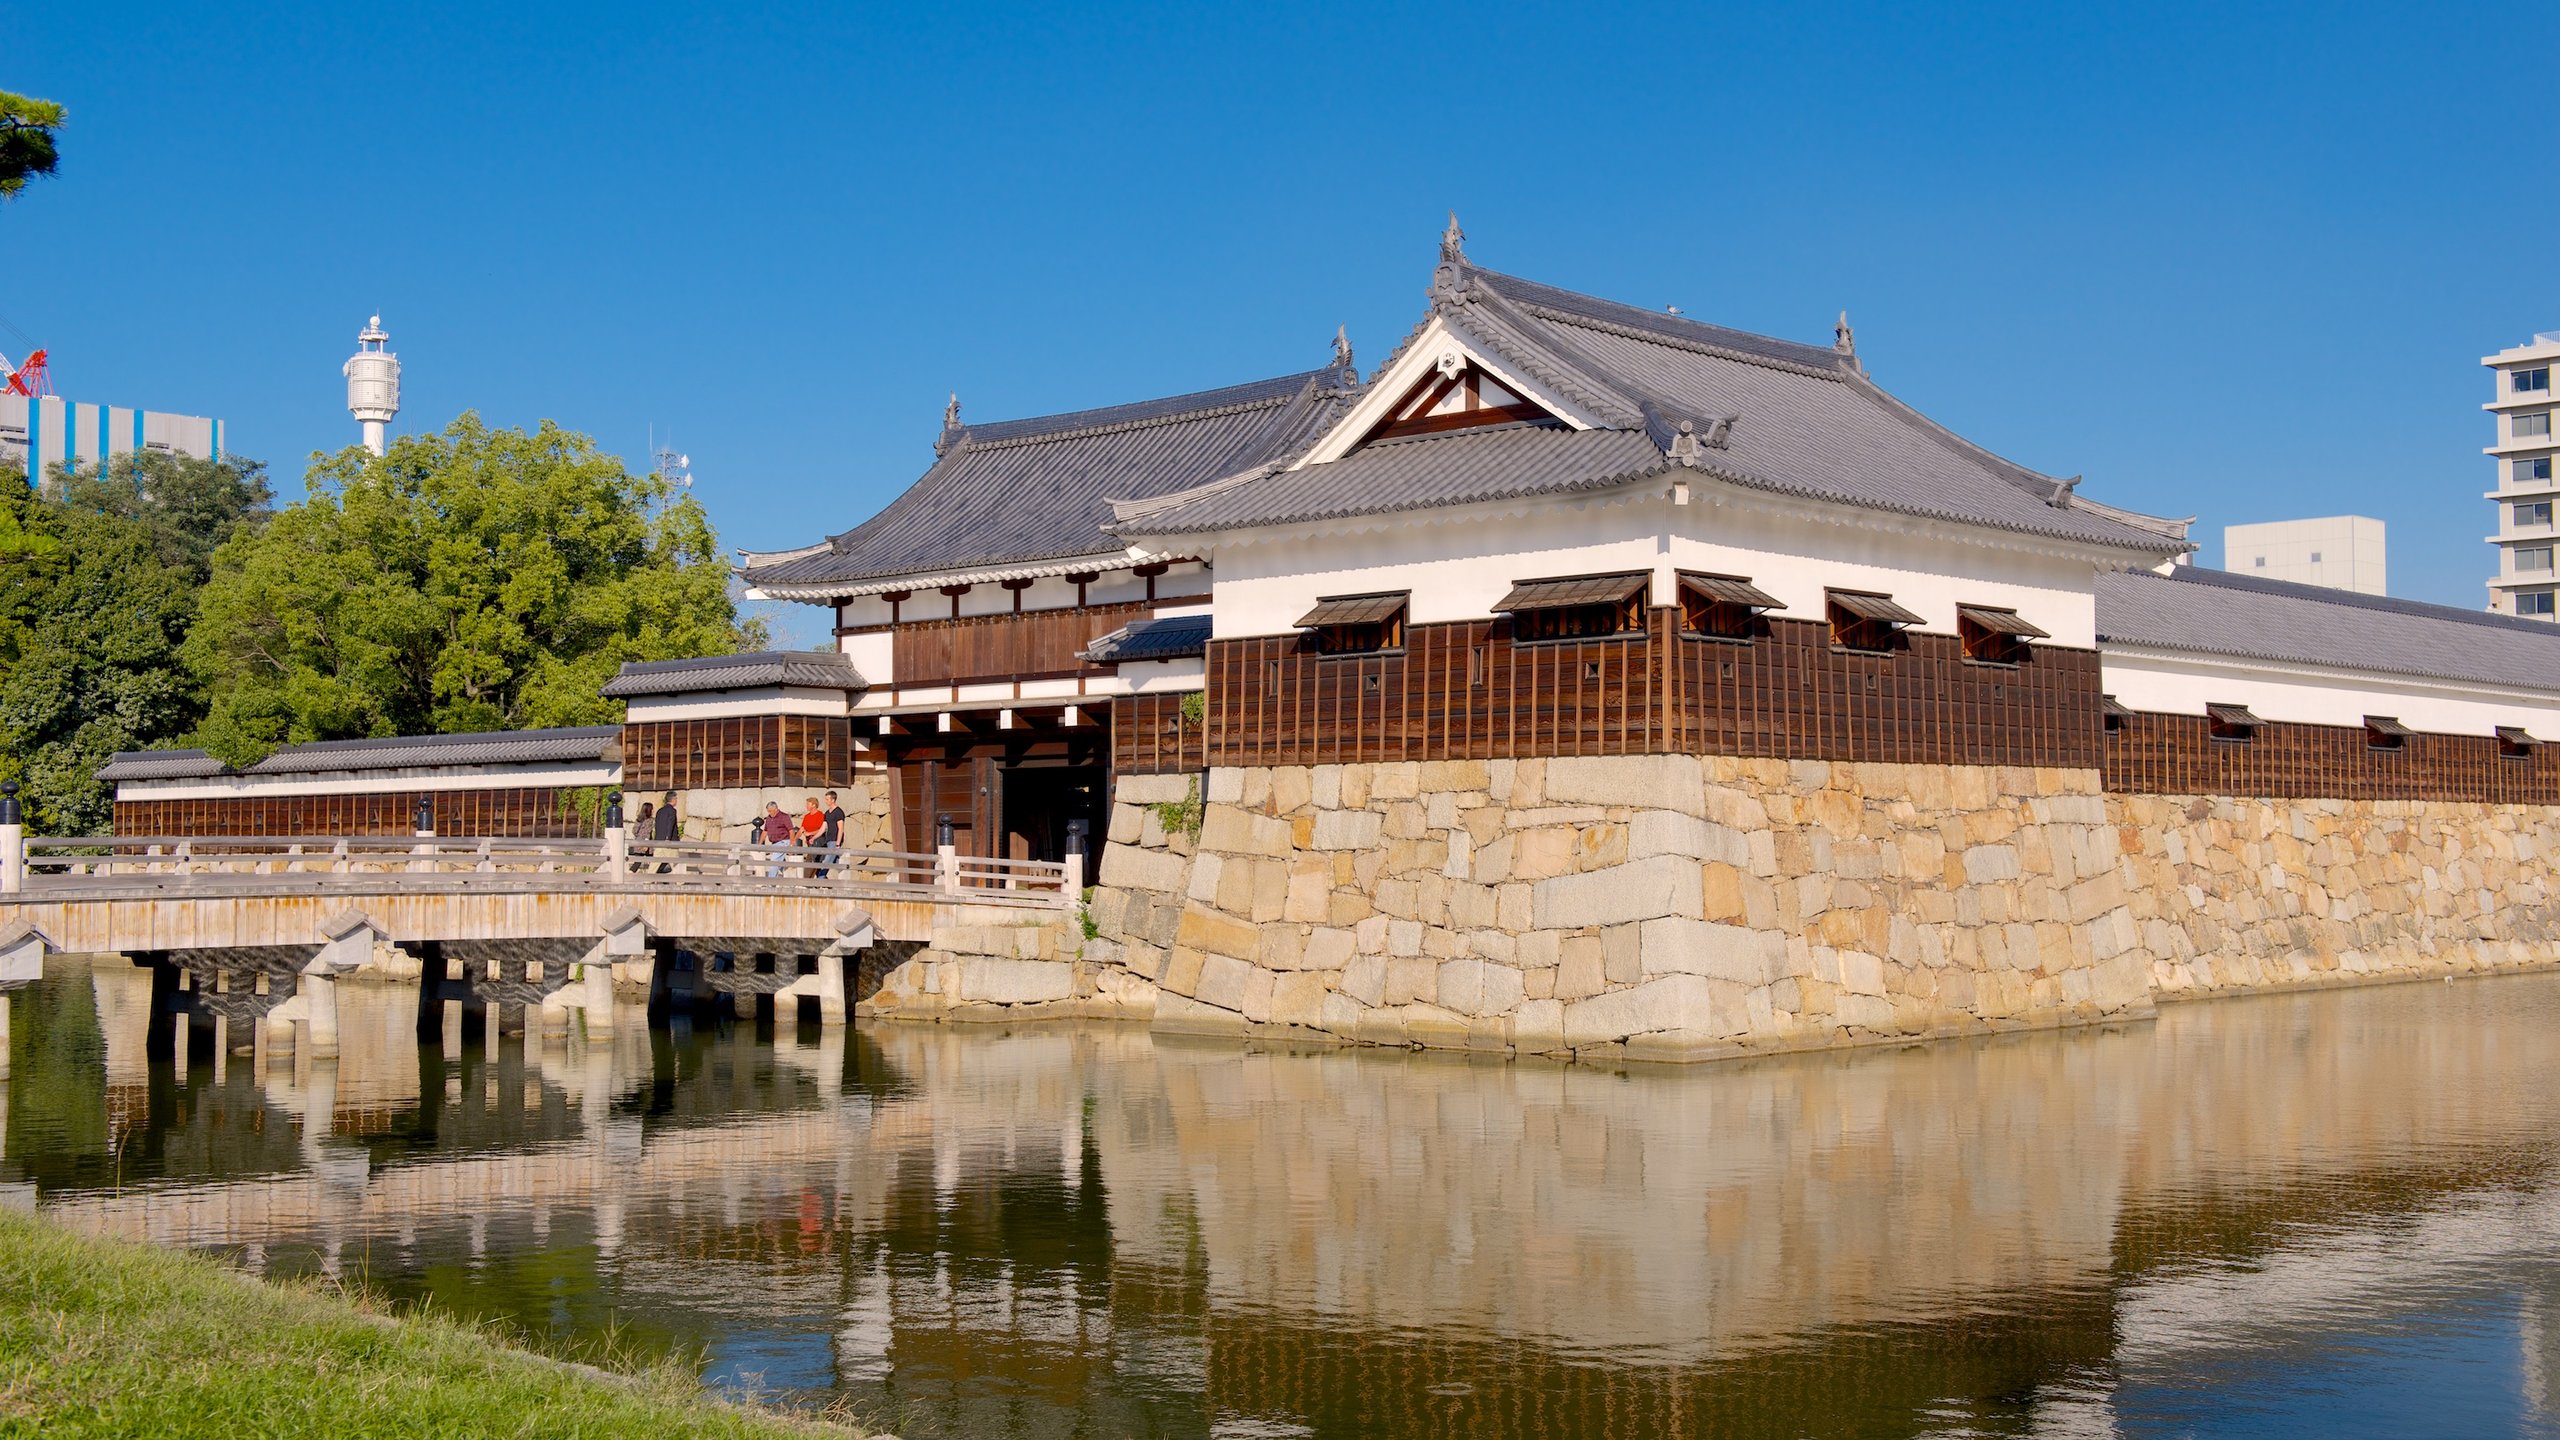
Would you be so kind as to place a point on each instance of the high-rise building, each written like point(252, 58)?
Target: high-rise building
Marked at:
point(2343, 552)
point(37, 432)
point(2520, 405)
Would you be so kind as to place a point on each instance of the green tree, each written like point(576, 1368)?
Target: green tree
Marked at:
point(26, 140)
point(91, 627)
point(188, 504)
point(479, 579)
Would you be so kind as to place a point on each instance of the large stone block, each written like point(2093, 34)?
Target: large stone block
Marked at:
point(1183, 1015)
point(1539, 1027)
point(1298, 1000)
point(1364, 978)
point(1230, 830)
point(1152, 789)
point(1673, 945)
point(1478, 987)
point(1637, 890)
point(1673, 1002)
point(1224, 982)
point(1991, 864)
point(1015, 982)
point(1347, 829)
point(1667, 832)
point(1218, 933)
point(1644, 782)
point(1135, 869)
point(1340, 1014)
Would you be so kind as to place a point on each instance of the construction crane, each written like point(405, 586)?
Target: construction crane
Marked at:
point(31, 379)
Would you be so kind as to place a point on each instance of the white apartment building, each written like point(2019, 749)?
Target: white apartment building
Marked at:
point(2343, 552)
point(2521, 408)
point(37, 433)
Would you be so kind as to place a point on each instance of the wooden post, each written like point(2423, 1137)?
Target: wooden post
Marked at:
point(946, 853)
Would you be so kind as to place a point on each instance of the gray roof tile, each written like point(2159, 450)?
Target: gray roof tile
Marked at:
point(1020, 491)
point(1499, 462)
point(1805, 421)
point(818, 669)
point(495, 747)
point(160, 765)
point(499, 747)
point(2214, 612)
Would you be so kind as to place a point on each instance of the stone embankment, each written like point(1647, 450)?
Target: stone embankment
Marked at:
point(2236, 894)
point(1680, 907)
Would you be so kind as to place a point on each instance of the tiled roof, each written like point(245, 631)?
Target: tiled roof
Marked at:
point(1176, 637)
point(2214, 612)
point(1357, 609)
point(819, 669)
point(502, 747)
point(160, 765)
point(1758, 413)
point(1018, 491)
point(1496, 463)
point(1566, 593)
point(497, 747)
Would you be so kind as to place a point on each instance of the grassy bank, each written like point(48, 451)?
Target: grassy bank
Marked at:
point(102, 1338)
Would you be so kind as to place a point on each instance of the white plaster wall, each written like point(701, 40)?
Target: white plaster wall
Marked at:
point(721, 704)
point(1459, 564)
point(1795, 554)
point(2181, 684)
point(367, 782)
point(1155, 677)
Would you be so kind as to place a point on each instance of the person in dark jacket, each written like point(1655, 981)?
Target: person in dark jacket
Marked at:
point(832, 836)
point(666, 825)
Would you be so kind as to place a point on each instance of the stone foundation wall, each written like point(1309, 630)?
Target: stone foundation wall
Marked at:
point(979, 970)
point(1647, 906)
point(1677, 907)
point(2252, 894)
point(723, 814)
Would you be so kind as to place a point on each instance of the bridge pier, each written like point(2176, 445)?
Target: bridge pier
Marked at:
point(431, 977)
point(21, 965)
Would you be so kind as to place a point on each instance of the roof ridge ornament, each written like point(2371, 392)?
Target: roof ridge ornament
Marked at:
point(2063, 489)
point(950, 425)
point(1689, 447)
point(1843, 339)
point(1342, 355)
point(1449, 281)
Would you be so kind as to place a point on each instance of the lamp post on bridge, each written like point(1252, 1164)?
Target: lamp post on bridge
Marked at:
point(617, 845)
point(946, 854)
point(13, 840)
point(426, 817)
point(1079, 836)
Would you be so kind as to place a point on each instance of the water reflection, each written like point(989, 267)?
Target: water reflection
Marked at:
point(2329, 1211)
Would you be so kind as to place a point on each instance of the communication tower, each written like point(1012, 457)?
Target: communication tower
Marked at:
point(373, 383)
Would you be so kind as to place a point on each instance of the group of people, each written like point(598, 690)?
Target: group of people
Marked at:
point(819, 828)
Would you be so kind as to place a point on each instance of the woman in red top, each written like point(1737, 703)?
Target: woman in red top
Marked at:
point(813, 823)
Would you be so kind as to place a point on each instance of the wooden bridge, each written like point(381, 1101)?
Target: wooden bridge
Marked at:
point(248, 931)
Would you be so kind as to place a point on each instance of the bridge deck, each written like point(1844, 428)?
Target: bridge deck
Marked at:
point(157, 893)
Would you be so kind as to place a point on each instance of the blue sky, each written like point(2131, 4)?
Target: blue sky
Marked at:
point(2232, 261)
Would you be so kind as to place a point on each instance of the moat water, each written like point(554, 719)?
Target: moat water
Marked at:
point(2335, 1213)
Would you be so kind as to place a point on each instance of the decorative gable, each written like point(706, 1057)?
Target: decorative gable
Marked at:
point(1442, 380)
point(1455, 394)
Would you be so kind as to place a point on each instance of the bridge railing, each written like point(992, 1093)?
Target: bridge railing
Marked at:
point(73, 863)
